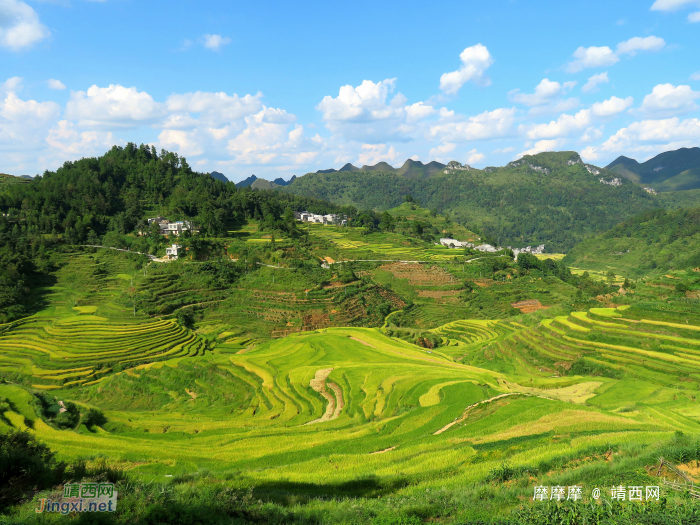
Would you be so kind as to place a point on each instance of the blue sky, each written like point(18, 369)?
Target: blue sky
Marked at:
point(282, 88)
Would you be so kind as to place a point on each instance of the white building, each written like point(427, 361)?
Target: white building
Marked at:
point(332, 218)
point(454, 243)
point(170, 228)
point(174, 251)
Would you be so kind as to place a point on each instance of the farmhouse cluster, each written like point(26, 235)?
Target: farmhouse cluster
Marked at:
point(487, 248)
point(171, 228)
point(332, 218)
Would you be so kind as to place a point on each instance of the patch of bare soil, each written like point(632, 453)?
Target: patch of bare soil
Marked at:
point(437, 294)
point(191, 394)
point(419, 274)
point(316, 321)
point(361, 341)
point(528, 306)
point(382, 451)
point(335, 400)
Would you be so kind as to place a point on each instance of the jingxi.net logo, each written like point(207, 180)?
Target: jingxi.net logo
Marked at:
point(82, 497)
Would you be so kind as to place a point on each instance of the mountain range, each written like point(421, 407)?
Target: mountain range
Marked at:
point(668, 171)
point(257, 183)
point(552, 198)
point(411, 169)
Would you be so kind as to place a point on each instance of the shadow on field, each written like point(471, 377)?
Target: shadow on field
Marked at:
point(289, 492)
point(40, 286)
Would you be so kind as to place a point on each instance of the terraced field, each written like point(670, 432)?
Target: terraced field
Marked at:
point(342, 403)
point(80, 349)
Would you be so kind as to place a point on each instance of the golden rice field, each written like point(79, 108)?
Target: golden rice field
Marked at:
point(338, 404)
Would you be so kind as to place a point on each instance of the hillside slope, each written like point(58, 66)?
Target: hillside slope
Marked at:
point(668, 171)
point(655, 241)
point(549, 198)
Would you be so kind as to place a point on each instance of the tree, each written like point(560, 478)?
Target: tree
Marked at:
point(409, 198)
point(610, 277)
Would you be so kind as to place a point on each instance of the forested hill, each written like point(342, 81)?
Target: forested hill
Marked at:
point(668, 171)
point(655, 241)
point(119, 190)
point(550, 198)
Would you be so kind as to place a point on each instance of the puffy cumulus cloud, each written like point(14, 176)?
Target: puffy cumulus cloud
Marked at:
point(566, 124)
point(12, 84)
point(214, 42)
point(588, 57)
point(654, 136)
point(68, 141)
point(590, 153)
point(443, 149)
point(545, 92)
point(593, 82)
point(373, 153)
point(55, 84)
point(364, 113)
point(181, 141)
point(541, 146)
point(216, 109)
point(363, 103)
point(636, 44)
point(474, 157)
point(20, 27)
point(419, 111)
point(673, 5)
point(667, 100)
point(23, 122)
point(475, 61)
point(265, 137)
point(113, 106)
point(487, 125)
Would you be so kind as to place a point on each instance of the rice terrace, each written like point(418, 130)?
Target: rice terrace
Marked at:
point(283, 372)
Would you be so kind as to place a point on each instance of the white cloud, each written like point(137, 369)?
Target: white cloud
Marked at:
point(419, 111)
point(611, 106)
point(654, 136)
point(214, 108)
point(442, 149)
point(264, 137)
point(13, 84)
point(695, 76)
point(509, 149)
point(364, 113)
point(590, 153)
point(566, 124)
point(540, 146)
point(694, 17)
point(633, 45)
point(55, 84)
point(557, 106)
point(667, 100)
point(214, 42)
point(68, 141)
point(374, 153)
point(23, 122)
point(672, 5)
point(475, 61)
point(113, 106)
point(487, 125)
point(20, 27)
point(475, 157)
point(181, 141)
point(588, 57)
point(593, 82)
point(545, 92)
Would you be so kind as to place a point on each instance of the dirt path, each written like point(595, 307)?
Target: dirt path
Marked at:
point(318, 383)
point(382, 451)
point(465, 415)
point(361, 341)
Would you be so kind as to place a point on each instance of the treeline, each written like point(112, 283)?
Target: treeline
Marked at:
point(86, 199)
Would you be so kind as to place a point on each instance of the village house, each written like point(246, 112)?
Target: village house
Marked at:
point(333, 218)
point(170, 228)
point(173, 252)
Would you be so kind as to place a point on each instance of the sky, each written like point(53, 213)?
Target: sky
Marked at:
point(279, 88)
